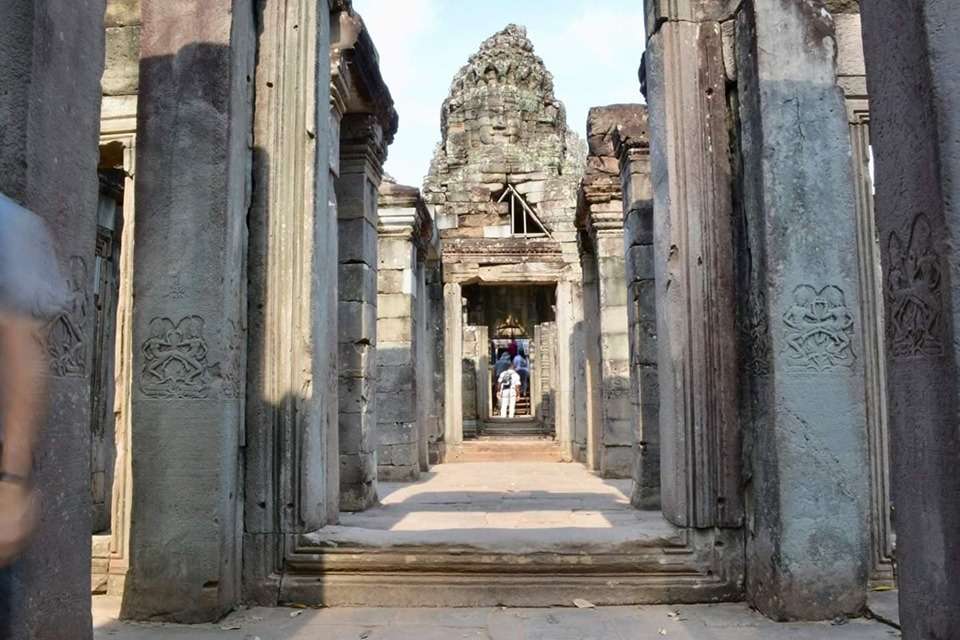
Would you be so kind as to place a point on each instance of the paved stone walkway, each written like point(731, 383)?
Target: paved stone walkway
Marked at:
point(708, 622)
point(520, 506)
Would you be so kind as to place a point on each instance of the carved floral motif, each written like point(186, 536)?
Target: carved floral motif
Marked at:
point(914, 286)
point(175, 360)
point(819, 330)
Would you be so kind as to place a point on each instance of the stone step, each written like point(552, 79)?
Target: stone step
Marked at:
point(517, 449)
point(540, 572)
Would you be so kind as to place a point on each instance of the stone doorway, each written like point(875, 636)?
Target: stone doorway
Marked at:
point(111, 311)
point(509, 325)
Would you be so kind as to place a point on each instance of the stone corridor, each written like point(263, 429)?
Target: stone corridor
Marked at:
point(723, 312)
point(526, 507)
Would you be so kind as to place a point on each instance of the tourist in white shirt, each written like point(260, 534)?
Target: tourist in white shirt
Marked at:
point(509, 385)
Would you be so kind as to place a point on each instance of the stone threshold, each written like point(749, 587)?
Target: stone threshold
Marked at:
point(684, 568)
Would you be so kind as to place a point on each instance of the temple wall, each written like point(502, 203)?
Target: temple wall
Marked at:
point(48, 162)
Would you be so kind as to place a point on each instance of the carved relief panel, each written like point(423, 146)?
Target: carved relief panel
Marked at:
point(819, 330)
point(175, 363)
point(915, 326)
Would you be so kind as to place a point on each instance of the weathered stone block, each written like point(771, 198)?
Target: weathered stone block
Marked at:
point(356, 282)
point(618, 461)
point(394, 354)
point(358, 469)
point(357, 395)
point(640, 264)
point(396, 379)
point(122, 13)
point(397, 253)
point(356, 198)
point(395, 305)
point(395, 329)
point(395, 281)
point(357, 322)
point(396, 406)
point(397, 433)
point(357, 359)
point(357, 432)
point(618, 345)
point(357, 242)
point(122, 73)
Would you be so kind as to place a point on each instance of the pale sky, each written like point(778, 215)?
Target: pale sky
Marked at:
point(593, 49)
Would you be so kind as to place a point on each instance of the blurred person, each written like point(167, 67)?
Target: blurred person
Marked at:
point(521, 366)
point(31, 291)
point(502, 363)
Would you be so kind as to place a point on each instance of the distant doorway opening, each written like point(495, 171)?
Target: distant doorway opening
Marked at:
point(510, 327)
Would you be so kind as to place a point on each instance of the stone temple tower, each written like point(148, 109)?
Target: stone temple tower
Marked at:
point(502, 188)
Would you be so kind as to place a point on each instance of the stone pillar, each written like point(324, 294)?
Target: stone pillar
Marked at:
point(807, 547)
point(618, 435)
point(852, 78)
point(633, 150)
point(49, 120)
point(452, 364)
point(193, 163)
point(912, 56)
point(291, 453)
point(433, 346)
point(362, 151)
point(601, 215)
point(694, 264)
point(592, 434)
point(400, 422)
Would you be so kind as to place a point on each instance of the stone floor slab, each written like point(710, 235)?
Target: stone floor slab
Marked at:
point(535, 506)
point(704, 622)
point(885, 606)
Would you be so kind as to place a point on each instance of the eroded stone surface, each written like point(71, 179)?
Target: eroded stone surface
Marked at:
point(704, 622)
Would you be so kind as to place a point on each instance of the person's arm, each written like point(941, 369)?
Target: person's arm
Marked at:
point(21, 394)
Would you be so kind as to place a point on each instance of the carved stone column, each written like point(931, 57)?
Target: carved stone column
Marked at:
point(452, 363)
point(362, 151)
point(912, 56)
point(291, 454)
point(400, 419)
point(807, 545)
point(193, 163)
point(49, 119)
point(694, 264)
point(851, 76)
point(633, 151)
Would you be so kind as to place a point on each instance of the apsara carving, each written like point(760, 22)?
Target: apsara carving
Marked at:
point(914, 286)
point(63, 337)
point(175, 360)
point(819, 330)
